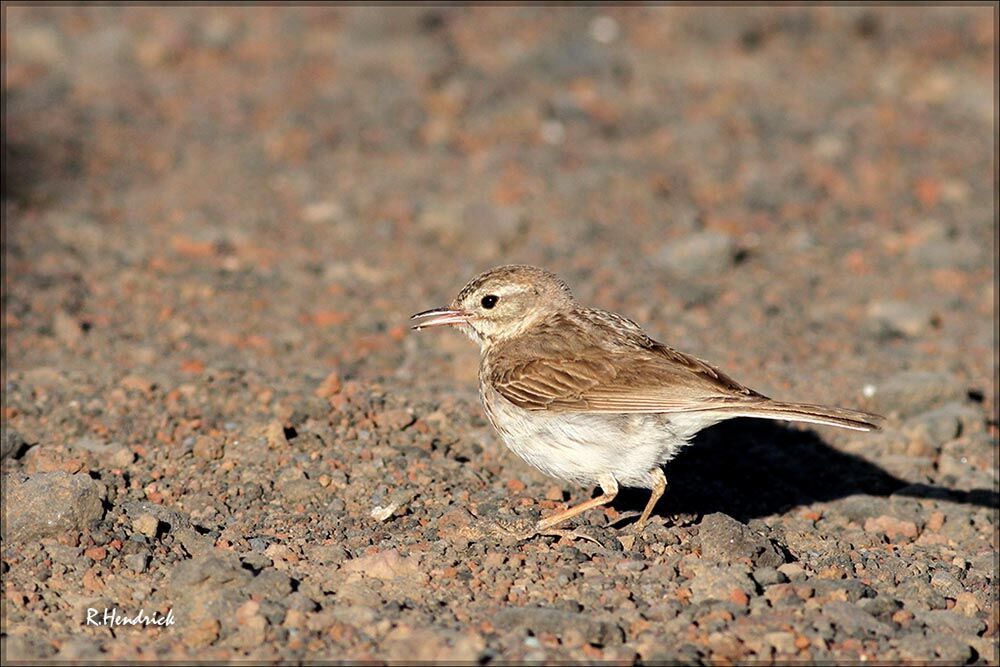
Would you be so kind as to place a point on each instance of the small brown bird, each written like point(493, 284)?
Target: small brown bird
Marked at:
point(586, 396)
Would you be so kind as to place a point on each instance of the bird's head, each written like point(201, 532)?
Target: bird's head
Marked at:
point(502, 303)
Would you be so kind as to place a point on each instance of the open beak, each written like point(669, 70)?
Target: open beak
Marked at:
point(436, 317)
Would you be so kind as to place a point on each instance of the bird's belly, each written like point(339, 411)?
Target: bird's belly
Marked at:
point(582, 447)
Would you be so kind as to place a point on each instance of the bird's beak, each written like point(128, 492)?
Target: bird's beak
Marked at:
point(436, 317)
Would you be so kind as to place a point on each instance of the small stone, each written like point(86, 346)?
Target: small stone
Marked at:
point(739, 597)
point(966, 603)
point(208, 448)
point(783, 642)
point(725, 539)
point(96, 553)
point(66, 329)
point(912, 392)
point(50, 504)
point(329, 386)
point(558, 622)
point(943, 424)
point(395, 420)
point(704, 253)
point(299, 490)
point(322, 211)
point(935, 522)
point(380, 513)
point(603, 29)
point(855, 621)
point(274, 432)
point(720, 582)
point(891, 526)
point(122, 457)
point(946, 584)
point(79, 649)
point(37, 44)
point(137, 562)
point(900, 318)
point(385, 565)
point(950, 622)
point(881, 605)
point(92, 580)
point(137, 383)
point(146, 524)
point(941, 248)
point(768, 576)
point(203, 633)
point(326, 554)
point(793, 571)
point(11, 443)
point(454, 522)
point(902, 617)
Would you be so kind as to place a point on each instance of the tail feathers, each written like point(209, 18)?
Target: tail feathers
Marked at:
point(812, 414)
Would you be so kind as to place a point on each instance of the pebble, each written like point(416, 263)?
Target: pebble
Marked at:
point(274, 433)
point(913, 392)
point(66, 329)
point(49, 504)
point(782, 642)
point(966, 603)
point(726, 540)
point(147, 525)
point(854, 620)
point(96, 553)
point(702, 254)
point(329, 386)
point(558, 622)
point(793, 571)
point(721, 582)
point(386, 565)
point(396, 419)
point(208, 448)
point(11, 442)
point(891, 526)
point(943, 424)
point(900, 318)
point(137, 562)
point(301, 490)
point(951, 622)
point(768, 576)
point(942, 249)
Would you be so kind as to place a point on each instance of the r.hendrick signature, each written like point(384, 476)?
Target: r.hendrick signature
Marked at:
point(112, 617)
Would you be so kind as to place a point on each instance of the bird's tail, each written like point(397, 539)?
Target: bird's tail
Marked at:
point(813, 414)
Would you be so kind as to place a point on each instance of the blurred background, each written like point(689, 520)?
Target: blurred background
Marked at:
point(218, 220)
point(792, 193)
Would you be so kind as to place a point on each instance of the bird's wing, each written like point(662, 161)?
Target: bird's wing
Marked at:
point(651, 378)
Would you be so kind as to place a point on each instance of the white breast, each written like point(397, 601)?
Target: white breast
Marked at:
point(580, 447)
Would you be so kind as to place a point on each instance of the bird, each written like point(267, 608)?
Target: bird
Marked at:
point(587, 396)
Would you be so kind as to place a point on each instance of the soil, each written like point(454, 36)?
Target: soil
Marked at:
point(217, 221)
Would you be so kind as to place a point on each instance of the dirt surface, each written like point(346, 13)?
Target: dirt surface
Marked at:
point(217, 222)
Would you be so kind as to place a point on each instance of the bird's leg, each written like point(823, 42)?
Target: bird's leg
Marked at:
point(610, 488)
point(659, 486)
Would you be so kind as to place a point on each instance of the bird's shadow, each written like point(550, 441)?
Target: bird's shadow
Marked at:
point(750, 468)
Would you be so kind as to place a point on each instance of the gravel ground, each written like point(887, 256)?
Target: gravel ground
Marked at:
point(217, 221)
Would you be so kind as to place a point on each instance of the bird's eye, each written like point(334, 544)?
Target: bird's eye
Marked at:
point(489, 301)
